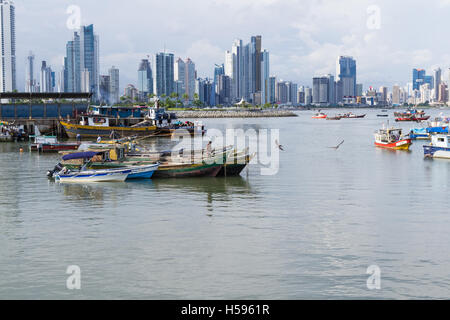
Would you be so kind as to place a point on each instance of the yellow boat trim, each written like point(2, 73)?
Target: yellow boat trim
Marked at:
point(79, 126)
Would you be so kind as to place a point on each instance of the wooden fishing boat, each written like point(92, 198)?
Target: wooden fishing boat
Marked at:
point(391, 139)
point(412, 118)
point(236, 163)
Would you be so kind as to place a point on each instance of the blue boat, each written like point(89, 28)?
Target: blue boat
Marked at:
point(438, 148)
point(142, 172)
point(426, 133)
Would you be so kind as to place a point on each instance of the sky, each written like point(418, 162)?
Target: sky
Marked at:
point(304, 37)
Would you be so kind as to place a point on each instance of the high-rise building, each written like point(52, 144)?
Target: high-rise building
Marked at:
point(420, 78)
point(265, 75)
point(179, 74)
point(82, 57)
point(224, 89)
point(190, 76)
point(8, 46)
point(359, 89)
point(442, 93)
point(47, 78)
point(383, 95)
point(105, 84)
point(145, 78)
point(30, 82)
point(345, 77)
point(85, 81)
point(396, 98)
point(437, 83)
point(163, 78)
point(244, 65)
point(324, 90)
point(272, 89)
point(308, 96)
point(219, 70)
point(114, 84)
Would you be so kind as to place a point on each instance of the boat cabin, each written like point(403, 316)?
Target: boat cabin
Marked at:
point(388, 135)
point(96, 121)
point(440, 140)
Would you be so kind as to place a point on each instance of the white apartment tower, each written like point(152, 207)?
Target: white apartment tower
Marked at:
point(8, 46)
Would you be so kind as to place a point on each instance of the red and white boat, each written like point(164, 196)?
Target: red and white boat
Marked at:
point(319, 115)
point(392, 139)
point(51, 144)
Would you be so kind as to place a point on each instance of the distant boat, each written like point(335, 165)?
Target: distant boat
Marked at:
point(319, 115)
point(352, 116)
point(334, 118)
point(391, 139)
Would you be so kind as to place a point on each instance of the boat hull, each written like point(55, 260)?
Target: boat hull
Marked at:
point(398, 145)
point(85, 131)
point(53, 147)
point(187, 171)
point(436, 152)
point(90, 177)
point(142, 172)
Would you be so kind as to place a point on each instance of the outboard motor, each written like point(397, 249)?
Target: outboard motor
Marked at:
point(56, 169)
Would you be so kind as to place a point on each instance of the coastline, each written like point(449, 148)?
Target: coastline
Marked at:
point(234, 114)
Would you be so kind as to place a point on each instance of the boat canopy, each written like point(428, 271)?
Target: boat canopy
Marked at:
point(80, 155)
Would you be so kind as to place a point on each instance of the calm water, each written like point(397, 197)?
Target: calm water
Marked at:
point(311, 231)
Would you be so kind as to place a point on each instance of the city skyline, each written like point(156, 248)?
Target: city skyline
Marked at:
point(298, 51)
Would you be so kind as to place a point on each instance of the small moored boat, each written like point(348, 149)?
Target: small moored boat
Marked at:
point(392, 139)
point(438, 148)
point(319, 115)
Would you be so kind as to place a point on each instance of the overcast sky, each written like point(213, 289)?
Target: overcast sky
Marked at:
point(304, 37)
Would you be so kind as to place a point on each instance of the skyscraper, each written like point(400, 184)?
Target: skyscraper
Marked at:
point(145, 78)
point(272, 89)
point(8, 46)
point(180, 74)
point(257, 69)
point(265, 75)
point(420, 77)
point(163, 79)
point(437, 82)
point(30, 82)
point(114, 85)
point(47, 78)
point(345, 77)
point(105, 84)
point(82, 57)
point(190, 75)
point(323, 90)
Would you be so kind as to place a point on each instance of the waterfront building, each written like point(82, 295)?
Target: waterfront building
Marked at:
point(179, 88)
point(359, 89)
point(8, 47)
point(272, 89)
point(383, 95)
point(308, 96)
point(442, 93)
point(30, 82)
point(324, 90)
point(114, 84)
point(282, 92)
point(224, 90)
point(85, 81)
point(163, 79)
point(145, 79)
point(425, 93)
point(345, 78)
point(218, 71)
point(190, 76)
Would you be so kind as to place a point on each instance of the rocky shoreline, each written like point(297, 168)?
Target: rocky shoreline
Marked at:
point(235, 114)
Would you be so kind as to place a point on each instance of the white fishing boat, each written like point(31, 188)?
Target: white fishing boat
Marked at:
point(438, 148)
point(87, 176)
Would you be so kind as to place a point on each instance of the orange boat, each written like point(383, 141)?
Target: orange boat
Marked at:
point(319, 115)
point(392, 139)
